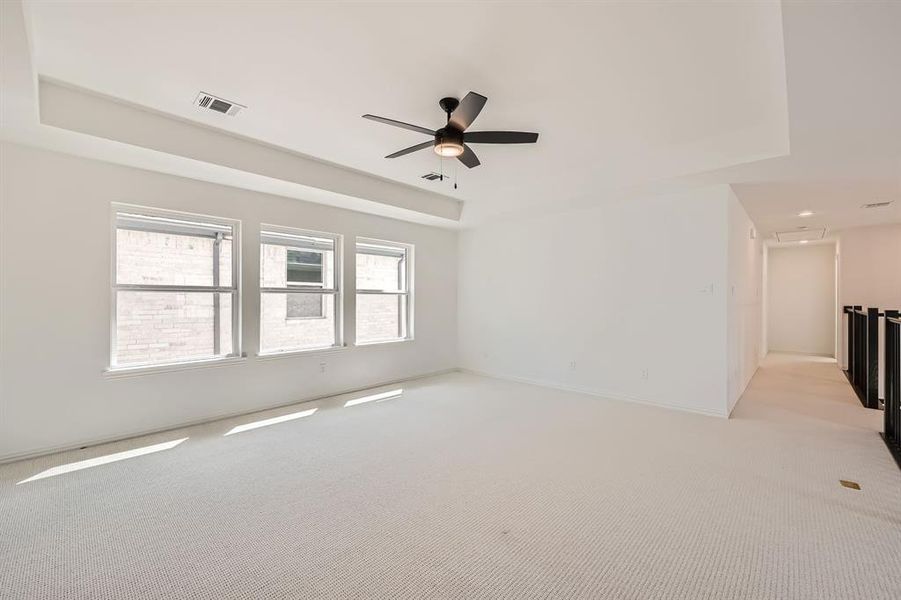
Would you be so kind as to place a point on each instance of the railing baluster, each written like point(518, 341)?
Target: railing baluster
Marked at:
point(888, 376)
point(892, 382)
point(871, 374)
point(849, 320)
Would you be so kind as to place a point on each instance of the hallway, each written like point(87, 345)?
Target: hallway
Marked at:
point(817, 432)
point(794, 389)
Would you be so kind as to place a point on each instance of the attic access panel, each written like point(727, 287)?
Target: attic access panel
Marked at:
point(798, 235)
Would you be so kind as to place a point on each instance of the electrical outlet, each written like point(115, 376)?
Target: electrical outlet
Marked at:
point(322, 366)
point(644, 374)
point(572, 365)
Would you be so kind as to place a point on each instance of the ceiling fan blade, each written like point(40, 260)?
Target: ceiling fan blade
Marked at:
point(400, 124)
point(469, 157)
point(500, 137)
point(411, 149)
point(470, 107)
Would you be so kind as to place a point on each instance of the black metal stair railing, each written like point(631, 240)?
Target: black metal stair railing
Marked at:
point(891, 373)
point(863, 368)
point(863, 353)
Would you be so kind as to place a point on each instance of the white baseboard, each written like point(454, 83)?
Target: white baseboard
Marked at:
point(797, 353)
point(598, 393)
point(16, 456)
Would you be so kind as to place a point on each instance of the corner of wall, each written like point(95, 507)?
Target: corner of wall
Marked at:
point(744, 301)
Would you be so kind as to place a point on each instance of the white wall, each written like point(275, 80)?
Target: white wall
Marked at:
point(744, 301)
point(593, 299)
point(870, 266)
point(869, 275)
point(53, 392)
point(801, 299)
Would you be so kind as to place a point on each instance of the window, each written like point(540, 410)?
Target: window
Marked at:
point(304, 268)
point(300, 296)
point(175, 296)
point(384, 291)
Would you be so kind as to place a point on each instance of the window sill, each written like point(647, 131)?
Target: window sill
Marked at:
point(136, 371)
point(298, 353)
point(383, 342)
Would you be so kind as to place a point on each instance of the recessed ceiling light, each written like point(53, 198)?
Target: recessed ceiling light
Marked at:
point(805, 213)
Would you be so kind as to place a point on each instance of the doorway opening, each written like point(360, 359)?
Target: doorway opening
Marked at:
point(801, 315)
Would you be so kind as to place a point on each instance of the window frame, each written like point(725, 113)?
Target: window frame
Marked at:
point(117, 208)
point(408, 291)
point(337, 291)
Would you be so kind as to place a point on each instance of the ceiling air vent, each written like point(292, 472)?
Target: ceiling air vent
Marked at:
point(799, 235)
point(878, 204)
point(220, 105)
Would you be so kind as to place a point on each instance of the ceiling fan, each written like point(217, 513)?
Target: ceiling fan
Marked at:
point(453, 140)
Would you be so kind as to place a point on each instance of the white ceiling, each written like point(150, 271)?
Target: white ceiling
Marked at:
point(625, 96)
point(620, 92)
point(843, 64)
point(835, 204)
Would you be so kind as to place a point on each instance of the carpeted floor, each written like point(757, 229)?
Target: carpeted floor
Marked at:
point(469, 487)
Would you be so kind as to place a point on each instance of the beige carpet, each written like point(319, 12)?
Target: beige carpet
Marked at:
point(468, 487)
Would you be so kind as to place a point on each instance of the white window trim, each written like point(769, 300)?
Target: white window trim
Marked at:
point(383, 342)
point(336, 291)
point(234, 290)
point(187, 365)
point(298, 353)
point(409, 258)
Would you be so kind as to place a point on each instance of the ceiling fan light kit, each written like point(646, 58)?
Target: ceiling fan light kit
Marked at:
point(453, 140)
point(449, 141)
